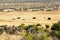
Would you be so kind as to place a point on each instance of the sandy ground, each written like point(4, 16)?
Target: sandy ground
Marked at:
point(6, 18)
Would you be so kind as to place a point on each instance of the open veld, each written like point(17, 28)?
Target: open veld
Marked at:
point(38, 22)
point(17, 18)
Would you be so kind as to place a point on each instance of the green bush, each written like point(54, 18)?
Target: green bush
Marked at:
point(58, 34)
point(56, 26)
point(42, 38)
point(28, 37)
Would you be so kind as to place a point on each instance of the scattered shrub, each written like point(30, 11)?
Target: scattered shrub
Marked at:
point(36, 37)
point(49, 18)
point(44, 17)
point(28, 37)
point(42, 38)
point(38, 25)
point(34, 18)
point(1, 31)
point(18, 17)
point(47, 26)
point(53, 33)
point(56, 26)
point(13, 19)
point(10, 30)
point(22, 24)
point(58, 34)
point(23, 19)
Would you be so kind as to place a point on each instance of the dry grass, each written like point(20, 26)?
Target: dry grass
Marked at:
point(41, 17)
point(5, 36)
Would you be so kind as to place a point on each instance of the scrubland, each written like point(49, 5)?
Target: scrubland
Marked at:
point(33, 24)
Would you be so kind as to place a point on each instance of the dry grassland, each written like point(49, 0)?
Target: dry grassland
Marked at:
point(10, 18)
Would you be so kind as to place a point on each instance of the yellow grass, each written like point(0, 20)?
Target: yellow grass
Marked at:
point(41, 17)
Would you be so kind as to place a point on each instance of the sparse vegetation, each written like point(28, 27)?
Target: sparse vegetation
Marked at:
point(1, 30)
point(18, 17)
point(56, 30)
point(33, 32)
point(34, 14)
point(56, 26)
point(34, 18)
point(13, 19)
point(47, 26)
point(38, 25)
point(49, 18)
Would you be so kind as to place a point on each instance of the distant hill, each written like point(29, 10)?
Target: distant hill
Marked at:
point(4, 1)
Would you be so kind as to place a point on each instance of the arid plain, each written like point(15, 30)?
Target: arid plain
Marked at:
point(10, 18)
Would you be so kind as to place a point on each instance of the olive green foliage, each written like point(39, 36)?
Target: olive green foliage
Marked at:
point(29, 36)
point(56, 27)
point(38, 35)
point(42, 38)
point(58, 34)
point(18, 17)
point(38, 24)
point(22, 26)
point(31, 32)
